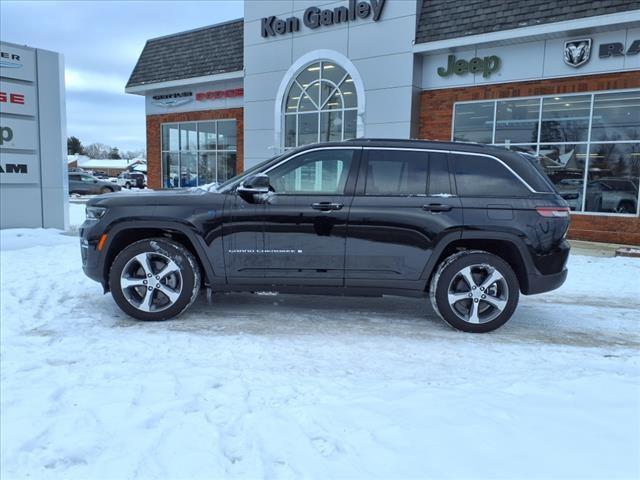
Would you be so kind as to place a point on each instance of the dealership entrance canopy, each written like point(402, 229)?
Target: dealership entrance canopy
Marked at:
point(559, 81)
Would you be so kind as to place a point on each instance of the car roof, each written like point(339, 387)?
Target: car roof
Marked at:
point(412, 143)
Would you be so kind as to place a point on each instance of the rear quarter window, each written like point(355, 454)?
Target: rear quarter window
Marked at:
point(478, 176)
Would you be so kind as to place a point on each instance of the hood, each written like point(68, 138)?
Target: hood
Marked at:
point(178, 197)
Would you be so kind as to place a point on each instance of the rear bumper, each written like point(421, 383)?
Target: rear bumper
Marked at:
point(545, 283)
point(548, 272)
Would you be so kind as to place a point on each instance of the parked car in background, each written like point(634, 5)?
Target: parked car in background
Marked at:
point(619, 195)
point(85, 184)
point(132, 179)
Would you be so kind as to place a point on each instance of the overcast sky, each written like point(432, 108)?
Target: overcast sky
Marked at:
point(101, 41)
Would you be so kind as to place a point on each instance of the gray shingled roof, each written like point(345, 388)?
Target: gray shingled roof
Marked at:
point(442, 19)
point(204, 51)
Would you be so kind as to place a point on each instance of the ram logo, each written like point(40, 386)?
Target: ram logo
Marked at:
point(14, 168)
point(577, 52)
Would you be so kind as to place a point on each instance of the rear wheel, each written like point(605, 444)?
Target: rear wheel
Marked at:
point(154, 279)
point(475, 291)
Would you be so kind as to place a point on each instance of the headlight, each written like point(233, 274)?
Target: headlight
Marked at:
point(95, 213)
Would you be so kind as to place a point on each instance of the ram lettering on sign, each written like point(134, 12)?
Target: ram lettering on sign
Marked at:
point(17, 99)
point(19, 168)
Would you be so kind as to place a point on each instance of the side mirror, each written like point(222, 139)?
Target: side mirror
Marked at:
point(95, 181)
point(257, 184)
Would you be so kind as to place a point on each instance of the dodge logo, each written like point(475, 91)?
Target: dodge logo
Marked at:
point(577, 52)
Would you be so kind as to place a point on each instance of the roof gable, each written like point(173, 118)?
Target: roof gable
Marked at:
point(195, 53)
point(443, 19)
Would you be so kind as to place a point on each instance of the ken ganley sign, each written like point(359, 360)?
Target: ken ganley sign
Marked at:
point(314, 17)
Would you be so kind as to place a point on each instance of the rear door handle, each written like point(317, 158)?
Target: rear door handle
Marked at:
point(327, 206)
point(436, 207)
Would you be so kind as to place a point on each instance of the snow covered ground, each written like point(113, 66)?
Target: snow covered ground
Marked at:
point(314, 387)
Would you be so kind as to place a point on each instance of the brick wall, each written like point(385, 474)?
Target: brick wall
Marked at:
point(154, 138)
point(436, 115)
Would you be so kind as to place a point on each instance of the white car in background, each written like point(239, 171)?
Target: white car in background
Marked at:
point(132, 180)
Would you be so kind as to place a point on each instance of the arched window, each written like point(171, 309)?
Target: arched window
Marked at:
point(321, 106)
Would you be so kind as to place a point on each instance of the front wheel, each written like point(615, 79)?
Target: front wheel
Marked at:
point(104, 190)
point(475, 291)
point(154, 279)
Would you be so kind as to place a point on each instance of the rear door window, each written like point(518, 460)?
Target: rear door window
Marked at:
point(396, 173)
point(478, 176)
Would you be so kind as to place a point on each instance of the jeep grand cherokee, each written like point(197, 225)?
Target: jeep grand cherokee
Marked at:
point(468, 226)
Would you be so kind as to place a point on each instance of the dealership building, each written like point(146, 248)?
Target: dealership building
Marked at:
point(558, 79)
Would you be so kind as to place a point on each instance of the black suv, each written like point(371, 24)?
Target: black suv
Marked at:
point(468, 225)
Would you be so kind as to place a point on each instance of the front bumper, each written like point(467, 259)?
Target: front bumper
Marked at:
point(91, 258)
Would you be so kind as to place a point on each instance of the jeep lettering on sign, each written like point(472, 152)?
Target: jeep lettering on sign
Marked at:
point(6, 135)
point(485, 65)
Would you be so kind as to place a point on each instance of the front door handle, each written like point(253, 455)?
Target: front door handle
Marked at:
point(436, 207)
point(327, 206)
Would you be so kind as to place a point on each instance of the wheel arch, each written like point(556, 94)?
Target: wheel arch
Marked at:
point(504, 245)
point(125, 234)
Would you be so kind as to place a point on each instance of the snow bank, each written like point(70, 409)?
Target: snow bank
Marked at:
point(314, 387)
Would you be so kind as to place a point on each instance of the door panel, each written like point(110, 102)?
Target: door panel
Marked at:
point(243, 240)
point(399, 213)
point(306, 218)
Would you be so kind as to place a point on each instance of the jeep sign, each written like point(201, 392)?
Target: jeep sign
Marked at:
point(485, 65)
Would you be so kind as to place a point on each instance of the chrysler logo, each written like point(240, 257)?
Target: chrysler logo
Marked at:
point(172, 99)
point(577, 52)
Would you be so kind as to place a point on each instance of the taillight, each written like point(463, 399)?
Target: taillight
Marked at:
point(561, 212)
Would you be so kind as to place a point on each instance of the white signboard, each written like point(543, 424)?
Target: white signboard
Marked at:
point(19, 168)
point(17, 98)
point(18, 133)
point(599, 52)
point(18, 63)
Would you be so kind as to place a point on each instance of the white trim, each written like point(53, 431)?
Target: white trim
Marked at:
point(296, 67)
point(142, 89)
point(523, 33)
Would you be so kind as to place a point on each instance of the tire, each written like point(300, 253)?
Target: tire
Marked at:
point(171, 292)
point(127, 185)
point(106, 190)
point(626, 207)
point(481, 307)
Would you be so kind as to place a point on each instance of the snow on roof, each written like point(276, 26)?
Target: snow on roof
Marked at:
point(97, 163)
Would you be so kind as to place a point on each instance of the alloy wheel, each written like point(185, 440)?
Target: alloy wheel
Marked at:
point(478, 293)
point(151, 282)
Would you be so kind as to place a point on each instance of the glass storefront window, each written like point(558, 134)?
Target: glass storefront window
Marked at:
point(227, 136)
point(588, 144)
point(612, 181)
point(321, 105)
point(196, 153)
point(616, 116)
point(565, 119)
point(564, 165)
point(517, 121)
point(474, 122)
